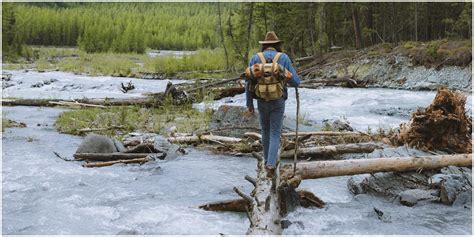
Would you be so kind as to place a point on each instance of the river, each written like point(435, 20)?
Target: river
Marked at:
point(43, 194)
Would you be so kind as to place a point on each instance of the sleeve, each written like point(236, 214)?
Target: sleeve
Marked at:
point(248, 94)
point(295, 80)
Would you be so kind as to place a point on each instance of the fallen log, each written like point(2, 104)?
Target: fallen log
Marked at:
point(324, 133)
point(202, 138)
point(86, 130)
point(322, 169)
point(264, 208)
point(307, 199)
point(145, 101)
point(109, 156)
point(109, 163)
point(332, 150)
point(67, 103)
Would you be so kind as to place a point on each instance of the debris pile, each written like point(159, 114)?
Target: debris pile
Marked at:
point(443, 126)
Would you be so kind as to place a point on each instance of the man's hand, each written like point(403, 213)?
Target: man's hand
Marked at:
point(251, 110)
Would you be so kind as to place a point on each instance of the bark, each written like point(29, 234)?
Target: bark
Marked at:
point(109, 156)
point(146, 101)
point(66, 103)
point(329, 151)
point(307, 199)
point(264, 209)
point(202, 138)
point(109, 163)
point(322, 169)
point(357, 32)
point(324, 133)
point(221, 33)
point(349, 81)
point(249, 31)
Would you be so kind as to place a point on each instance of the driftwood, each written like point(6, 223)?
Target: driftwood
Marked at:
point(307, 199)
point(86, 130)
point(324, 133)
point(322, 169)
point(332, 150)
point(145, 101)
point(109, 163)
point(264, 205)
point(202, 138)
point(67, 103)
point(444, 125)
point(109, 156)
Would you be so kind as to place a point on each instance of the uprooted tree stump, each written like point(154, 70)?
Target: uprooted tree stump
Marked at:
point(444, 125)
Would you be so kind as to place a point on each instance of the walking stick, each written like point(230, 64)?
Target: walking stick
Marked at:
point(297, 128)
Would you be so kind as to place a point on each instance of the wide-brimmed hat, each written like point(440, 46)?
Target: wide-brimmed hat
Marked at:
point(270, 38)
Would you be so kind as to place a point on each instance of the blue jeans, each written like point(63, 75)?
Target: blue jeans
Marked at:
point(271, 119)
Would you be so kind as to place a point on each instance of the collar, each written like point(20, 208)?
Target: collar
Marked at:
point(270, 48)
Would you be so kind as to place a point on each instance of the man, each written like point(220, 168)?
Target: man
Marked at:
point(270, 94)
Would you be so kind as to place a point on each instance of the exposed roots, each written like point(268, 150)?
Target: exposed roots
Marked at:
point(444, 125)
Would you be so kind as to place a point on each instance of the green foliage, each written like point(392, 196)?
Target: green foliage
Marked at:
point(133, 118)
point(118, 27)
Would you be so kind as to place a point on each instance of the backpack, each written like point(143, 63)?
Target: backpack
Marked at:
point(267, 80)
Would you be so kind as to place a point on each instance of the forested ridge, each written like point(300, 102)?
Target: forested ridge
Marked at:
point(307, 28)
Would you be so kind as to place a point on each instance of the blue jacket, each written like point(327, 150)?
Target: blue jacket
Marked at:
point(285, 61)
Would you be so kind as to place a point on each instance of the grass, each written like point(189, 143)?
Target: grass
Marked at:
point(121, 64)
point(438, 53)
point(132, 118)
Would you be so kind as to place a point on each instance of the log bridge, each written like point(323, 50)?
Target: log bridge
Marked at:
point(273, 197)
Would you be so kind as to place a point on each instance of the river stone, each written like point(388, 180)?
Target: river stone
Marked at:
point(390, 184)
point(119, 145)
point(94, 143)
point(171, 150)
point(452, 182)
point(341, 125)
point(463, 199)
point(233, 121)
point(413, 196)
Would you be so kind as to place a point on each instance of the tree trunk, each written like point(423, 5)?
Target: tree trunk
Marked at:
point(201, 138)
point(249, 31)
point(109, 163)
point(416, 21)
point(109, 156)
point(324, 133)
point(264, 212)
point(357, 32)
point(221, 31)
point(329, 151)
point(322, 169)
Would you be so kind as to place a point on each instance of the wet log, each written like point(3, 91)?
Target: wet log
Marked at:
point(349, 81)
point(109, 163)
point(144, 101)
point(86, 130)
point(264, 209)
point(67, 103)
point(109, 156)
point(324, 133)
point(307, 199)
point(322, 169)
point(204, 138)
point(328, 151)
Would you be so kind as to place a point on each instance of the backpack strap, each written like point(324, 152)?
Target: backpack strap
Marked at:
point(275, 61)
point(262, 58)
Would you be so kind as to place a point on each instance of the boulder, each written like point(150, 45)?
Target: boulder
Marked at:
point(94, 143)
point(233, 121)
point(413, 196)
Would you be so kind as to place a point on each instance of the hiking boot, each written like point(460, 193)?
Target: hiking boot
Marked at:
point(270, 171)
